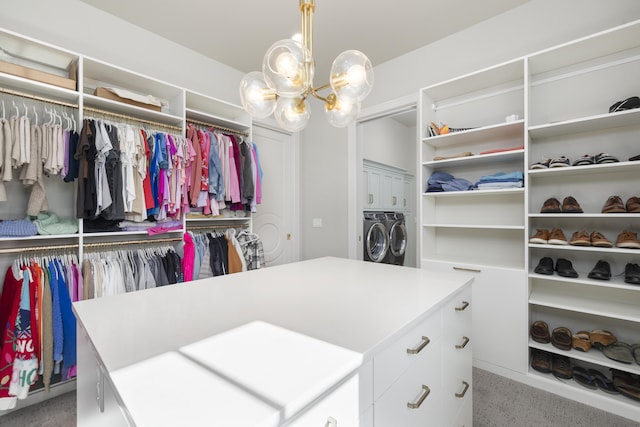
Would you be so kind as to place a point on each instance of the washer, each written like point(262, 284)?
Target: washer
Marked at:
point(397, 231)
point(376, 237)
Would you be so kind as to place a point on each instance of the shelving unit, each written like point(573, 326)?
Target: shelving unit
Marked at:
point(570, 89)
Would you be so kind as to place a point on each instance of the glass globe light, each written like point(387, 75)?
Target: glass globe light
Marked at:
point(340, 113)
point(292, 114)
point(284, 68)
point(352, 76)
point(257, 98)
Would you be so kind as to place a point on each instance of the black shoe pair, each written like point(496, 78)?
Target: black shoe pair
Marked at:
point(601, 271)
point(563, 267)
point(632, 274)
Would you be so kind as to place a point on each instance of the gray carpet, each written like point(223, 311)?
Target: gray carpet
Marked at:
point(497, 402)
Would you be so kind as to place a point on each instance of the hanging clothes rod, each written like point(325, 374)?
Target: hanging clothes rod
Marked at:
point(217, 227)
point(38, 248)
point(132, 119)
point(37, 98)
point(131, 242)
point(222, 128)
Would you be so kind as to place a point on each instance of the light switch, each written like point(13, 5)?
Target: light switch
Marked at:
point(317, 223)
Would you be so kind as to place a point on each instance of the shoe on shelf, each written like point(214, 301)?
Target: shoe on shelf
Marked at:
point(561, 338)
point(551, 205)
point(560, 162)
point(571, 205)
point(601, 271)
point(626, 384)
point(541, 237)
point(603, 382)
point(583, 377)
point(556, 237)
point(632, 274)
point(633, 204)
point(561, 367)
point(581, 341)
point(541, 361)
point(620, 352)
point(628, 240)
point(635, 350)
point(543, 164)
point(634, 158)
point(614, 205)
point(598, 240)
point(601, 338)
point(580, 238)
point(587, 159)
point(545, 266)
point(564, 268)
point(540, 332)
point(605, 158)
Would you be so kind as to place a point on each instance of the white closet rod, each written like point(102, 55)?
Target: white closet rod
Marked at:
point(37, 98)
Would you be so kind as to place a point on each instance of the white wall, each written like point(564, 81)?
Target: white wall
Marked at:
point(390, 142)
point(76, 26)
point(536, 25)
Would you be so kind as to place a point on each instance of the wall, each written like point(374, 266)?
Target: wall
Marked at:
point(390, 142)
point(76, 26)
point(536, 25)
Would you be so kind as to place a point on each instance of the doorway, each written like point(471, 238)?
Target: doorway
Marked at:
point(276, 220)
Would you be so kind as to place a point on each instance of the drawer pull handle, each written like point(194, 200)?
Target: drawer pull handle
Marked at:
point(465, 341)
point(465, 304)
point(425, 393)
point(331, 422)
point(418, 349)
point(470, 270)
point(466, 387)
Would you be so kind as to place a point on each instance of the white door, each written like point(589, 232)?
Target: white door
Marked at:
point(276, 220)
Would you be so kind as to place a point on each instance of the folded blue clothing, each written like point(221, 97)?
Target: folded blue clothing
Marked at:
point(17, 228)
point(503, 177)
point(447, 182)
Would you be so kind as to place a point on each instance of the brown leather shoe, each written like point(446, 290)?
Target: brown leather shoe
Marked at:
point(551, 205)
point(541, 361)
point(541, 237)
point(598, 240)
point(628, 239)
point(556, 237)
point(581, 341)
point(601, 338)
point(540, 332)
point(571, 205)
point(580, 238)
point(614, 205)
point(633, 204)
point(561, 367)
point(561, 338)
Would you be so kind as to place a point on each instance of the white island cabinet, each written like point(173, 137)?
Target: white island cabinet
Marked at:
point(324, 342)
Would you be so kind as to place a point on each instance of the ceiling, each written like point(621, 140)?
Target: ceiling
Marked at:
point(238, 33)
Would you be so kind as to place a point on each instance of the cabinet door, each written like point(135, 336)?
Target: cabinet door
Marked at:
point(372, 180)
point(499, 320)
point(386, 189)
point(397, 192)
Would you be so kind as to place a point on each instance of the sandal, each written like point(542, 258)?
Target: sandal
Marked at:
point(561, 338)
point(635, 350)
point(601, 338)
point(605, 158)
point(626, 384)
point(561, 367)
point(620, 352)
point(582, 377)
point(540, 332)
point(541, 361)
point(603, 382)
point(587, 159)
point(581, 341)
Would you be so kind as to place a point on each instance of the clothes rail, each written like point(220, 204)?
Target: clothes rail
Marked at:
point(37, 98)
point(198, 122)
point(38, 248)
point(131, 119)
point(131, 242)
point(217, 227)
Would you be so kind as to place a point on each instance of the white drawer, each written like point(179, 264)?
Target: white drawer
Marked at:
point(392, 409)
point(419, 343)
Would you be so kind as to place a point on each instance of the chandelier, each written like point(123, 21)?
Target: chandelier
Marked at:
point(286, 81)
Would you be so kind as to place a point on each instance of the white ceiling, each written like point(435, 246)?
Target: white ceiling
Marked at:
point(238, 33)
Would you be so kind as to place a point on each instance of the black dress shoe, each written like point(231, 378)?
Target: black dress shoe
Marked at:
point(564, 268)
point(602, 271)
point(545, 266)
point(632, 274)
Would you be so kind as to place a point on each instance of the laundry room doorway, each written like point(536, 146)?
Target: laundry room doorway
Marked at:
point(276, 220)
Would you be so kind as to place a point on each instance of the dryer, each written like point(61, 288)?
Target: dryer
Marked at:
point(397, 230)
point(376, 237)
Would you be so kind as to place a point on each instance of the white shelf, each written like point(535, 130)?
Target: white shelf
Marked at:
point(585, 124)
point(477, 159)
point(33, 87)
point(593, 249)
point(481, 260)
point(40, 237)
point(88, 236)
point(476, 226)
point(611, 216)
point(212, 107)
point(132, 110)
point(561, 299)
point(473, 193)
point(493, 132)
point(218, 219)
point(591, 170)
point(215, 120)
point(615, 282)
